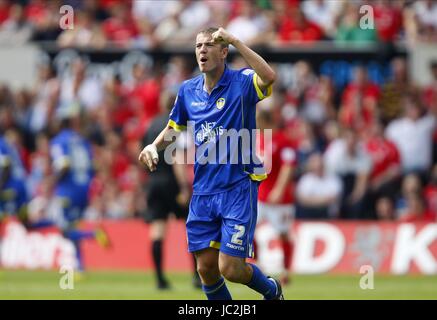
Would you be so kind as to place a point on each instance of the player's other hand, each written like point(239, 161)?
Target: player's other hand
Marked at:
point(149, 157)
point(222, 36)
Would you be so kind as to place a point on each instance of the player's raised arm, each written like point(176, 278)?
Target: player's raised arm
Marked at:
point(266, 75)
point(149, 155)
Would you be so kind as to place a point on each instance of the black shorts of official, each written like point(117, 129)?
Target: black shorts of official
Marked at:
point(161, 200)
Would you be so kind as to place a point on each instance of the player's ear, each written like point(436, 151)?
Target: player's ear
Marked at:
point(225, 52)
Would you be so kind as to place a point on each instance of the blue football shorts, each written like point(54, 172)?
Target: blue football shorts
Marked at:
point(225, 220)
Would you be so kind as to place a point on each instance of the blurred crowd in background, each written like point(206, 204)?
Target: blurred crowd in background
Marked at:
point(365, 150)
point(150, 24)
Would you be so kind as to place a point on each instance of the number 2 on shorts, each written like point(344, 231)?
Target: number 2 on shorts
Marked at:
point(236, 237)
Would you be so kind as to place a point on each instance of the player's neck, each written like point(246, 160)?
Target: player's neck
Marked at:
point(212, 77)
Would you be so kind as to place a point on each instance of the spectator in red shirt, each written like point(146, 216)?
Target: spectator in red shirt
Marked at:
point(415, 210)
point(143, 101)
point(44, 16)
point(359, 101)
point(276, 199)
point(388, 20)
point(294, 27)
point(120, 27)
point(386, 169)
point(4, 10)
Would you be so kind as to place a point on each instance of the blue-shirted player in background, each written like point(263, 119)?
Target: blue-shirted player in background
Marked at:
point(13, 193)
point(72, 163)
point(223, 208)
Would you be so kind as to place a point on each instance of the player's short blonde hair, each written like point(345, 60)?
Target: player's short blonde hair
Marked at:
point(210, 31)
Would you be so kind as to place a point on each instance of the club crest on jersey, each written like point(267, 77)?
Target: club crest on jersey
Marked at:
point(220, 103)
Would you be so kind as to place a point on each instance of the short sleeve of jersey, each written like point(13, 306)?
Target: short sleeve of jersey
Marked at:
point(248, 77)
point(178, 117)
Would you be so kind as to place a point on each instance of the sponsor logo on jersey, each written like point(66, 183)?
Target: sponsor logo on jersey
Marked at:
point(198, 103)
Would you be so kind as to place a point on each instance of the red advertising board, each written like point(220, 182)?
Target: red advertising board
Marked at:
point(320, 247)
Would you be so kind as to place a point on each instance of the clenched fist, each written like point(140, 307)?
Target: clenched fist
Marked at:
point(149, 157)
point(222, 36)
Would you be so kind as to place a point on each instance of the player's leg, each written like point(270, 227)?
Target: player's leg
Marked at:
point(239, 216)
point(203, 233)
point(213, 284)
point(68, 219)
point(14, 200)
point(236, 269)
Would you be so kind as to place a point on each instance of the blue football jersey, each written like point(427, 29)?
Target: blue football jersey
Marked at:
point(13, 194)
point(223, 126)
point(69, 150)
point(9, 156)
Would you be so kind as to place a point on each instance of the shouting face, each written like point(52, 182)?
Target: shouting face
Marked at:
point(209, 54)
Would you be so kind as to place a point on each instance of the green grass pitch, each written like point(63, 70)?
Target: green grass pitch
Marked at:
point(141, 285)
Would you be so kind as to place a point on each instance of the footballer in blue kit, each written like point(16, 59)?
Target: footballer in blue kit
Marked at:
point(13, 193)
point(72, 162)
point(218, 108)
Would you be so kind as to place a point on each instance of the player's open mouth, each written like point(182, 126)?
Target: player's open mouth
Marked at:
point(203, 60)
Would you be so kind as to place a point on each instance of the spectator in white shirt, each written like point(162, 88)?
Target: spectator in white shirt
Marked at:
point(153, 11)
point(81, 90)
point(347, 158)
point(323, 13)
point(413, 134)
point(250, 26)
point(317, 192)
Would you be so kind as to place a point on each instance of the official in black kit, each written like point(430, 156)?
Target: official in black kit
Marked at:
point(168, 192)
